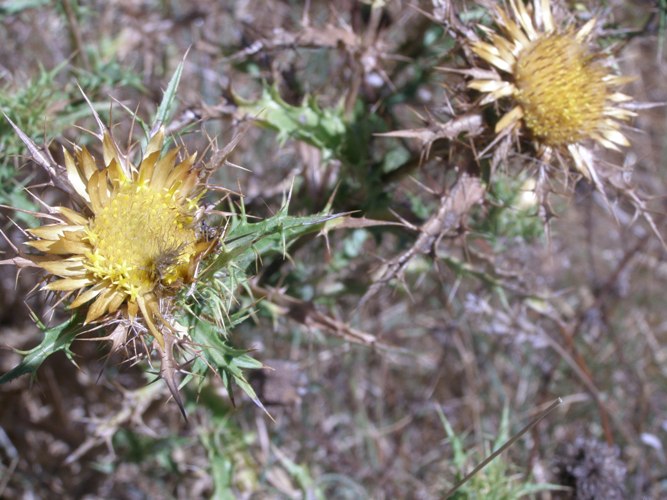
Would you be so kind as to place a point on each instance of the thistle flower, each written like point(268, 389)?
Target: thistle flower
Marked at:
point(563, 95)
point(130, 245)
point(134, 243)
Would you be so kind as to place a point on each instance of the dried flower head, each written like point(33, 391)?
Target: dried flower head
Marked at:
point(592, 469)
point(563, 94)
point(133, 244)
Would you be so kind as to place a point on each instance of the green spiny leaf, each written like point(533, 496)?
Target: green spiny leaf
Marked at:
point(246, 241)
point(165, 110)
point(323, 128)
point(58, 338)
point(230, 362)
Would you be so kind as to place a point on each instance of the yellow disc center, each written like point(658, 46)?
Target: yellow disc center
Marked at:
point(560, 89)
point(142, 238)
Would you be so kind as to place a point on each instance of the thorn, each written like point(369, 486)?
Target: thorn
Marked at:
point(99, 121)
point(168, 371)
point(34, 150)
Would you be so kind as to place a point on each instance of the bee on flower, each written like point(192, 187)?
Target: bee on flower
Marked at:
point(564, 97)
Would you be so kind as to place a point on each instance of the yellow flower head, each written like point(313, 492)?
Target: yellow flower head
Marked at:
point(134, 244)
point(563, 96)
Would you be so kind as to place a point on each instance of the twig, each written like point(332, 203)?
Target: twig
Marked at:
point(75, 32)
point(454, 205)
point(307, 314)
point(13, 455)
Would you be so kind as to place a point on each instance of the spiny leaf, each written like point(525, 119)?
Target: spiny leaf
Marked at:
point(323, 128)
point(243, 245)
point(227, 360)
point(246, 241)
point(56, 339)
point(165, 108)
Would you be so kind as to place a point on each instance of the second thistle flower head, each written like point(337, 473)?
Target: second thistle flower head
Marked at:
point(563, 95)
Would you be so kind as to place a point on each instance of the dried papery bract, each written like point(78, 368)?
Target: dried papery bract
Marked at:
point(563, 96)
point(131, 244)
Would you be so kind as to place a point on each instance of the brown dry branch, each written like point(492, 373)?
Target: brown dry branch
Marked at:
point(329, 36)
point(55, 172)
point(135, 404)
point(306, 313)
point(567, 350)
point(467, 192)
point(468, 124)
point(75, 34)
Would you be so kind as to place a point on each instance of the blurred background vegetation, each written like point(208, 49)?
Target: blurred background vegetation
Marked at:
point(393, 364)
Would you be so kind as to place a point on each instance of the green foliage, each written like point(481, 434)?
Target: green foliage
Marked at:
point(57, 338)
point(323, 128)
point(44, 107)
point(139, 448)
point(347, 139)
point(512, 211)
point(301, 475)
point(166, 108)
point(31, 106)
point(210, 307)
point(245, 241)
point(105, 72)
point(231, 466)
point(500, 479)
